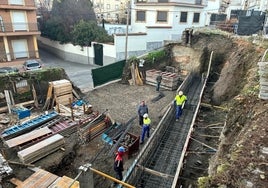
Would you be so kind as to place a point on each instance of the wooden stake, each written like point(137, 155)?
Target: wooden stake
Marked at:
point(22, 164)
point(210, 125)
point(201, 152)
point(208, 136)
point(211, 106)
point(204, 144)
point(155, 172)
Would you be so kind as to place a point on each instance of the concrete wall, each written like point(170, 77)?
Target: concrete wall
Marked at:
point(77, 54)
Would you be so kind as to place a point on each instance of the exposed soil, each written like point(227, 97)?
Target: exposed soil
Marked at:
point(233, 84)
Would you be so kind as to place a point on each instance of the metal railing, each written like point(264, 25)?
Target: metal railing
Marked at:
point(17, 27)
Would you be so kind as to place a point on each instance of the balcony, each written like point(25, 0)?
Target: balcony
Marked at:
point(12, 29)
point(17, 4)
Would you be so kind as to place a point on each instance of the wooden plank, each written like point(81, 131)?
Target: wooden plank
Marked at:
point(41, 149)
point(5, 109)
point(40, 179)
point(65, 182)
point(49, 95)
point(76, 94)
point(16, 182)
point(27, 137)
point(35, 97)
point(8, 100)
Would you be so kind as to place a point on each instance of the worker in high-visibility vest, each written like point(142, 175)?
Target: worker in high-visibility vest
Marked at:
point(179, 101)
point(145, 127)
point(118, 164)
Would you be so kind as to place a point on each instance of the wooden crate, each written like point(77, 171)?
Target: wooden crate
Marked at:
point(64, 99)
point(62, 87)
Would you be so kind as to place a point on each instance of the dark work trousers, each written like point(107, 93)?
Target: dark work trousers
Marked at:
point(158, 86)
point(118, 175)
point(178, 111)
point(145, 129)
point(141, 120)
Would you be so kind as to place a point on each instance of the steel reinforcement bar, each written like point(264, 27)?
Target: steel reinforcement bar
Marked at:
point(158, 161)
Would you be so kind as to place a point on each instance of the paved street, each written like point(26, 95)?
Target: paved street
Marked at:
point(79, 74)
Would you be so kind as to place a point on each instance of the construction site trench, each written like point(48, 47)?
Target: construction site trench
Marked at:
point(223, 118)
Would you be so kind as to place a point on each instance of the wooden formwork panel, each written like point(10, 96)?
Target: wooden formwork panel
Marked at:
point(64, 182)
point(35, 134)
point(45, 179)
point(40, 179)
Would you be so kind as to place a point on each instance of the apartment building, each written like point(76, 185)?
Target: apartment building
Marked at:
point(113, 11)
point(18, 30)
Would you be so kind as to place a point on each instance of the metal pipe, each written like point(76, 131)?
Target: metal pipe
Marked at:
point(111, 178)
point(126, 42)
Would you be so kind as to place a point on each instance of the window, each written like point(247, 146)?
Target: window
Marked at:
point(108, 6)
point(16, 2)
point(19, 21)
point(163, 1)
point(116, 7)
point(198, 2)
point(161, 16)
point(141, 1)
point(183, 17)
point(196, 17)
point(140, 16)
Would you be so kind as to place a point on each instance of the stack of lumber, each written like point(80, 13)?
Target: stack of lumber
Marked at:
point(63, 91)
point(95, 127)
point(169, 80)
point(45, 179)
point(41, 149)
point(136, 75)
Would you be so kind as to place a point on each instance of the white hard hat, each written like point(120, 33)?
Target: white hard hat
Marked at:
point(145, 115)
point(180, 93)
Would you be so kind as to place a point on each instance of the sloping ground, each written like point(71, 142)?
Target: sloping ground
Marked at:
point(241, 159)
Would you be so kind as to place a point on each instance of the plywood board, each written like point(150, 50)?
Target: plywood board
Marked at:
point(64, 182)
point(40, 179)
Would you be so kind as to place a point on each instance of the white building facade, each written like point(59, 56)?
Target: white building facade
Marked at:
point(113, 11)
point(157, 22)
